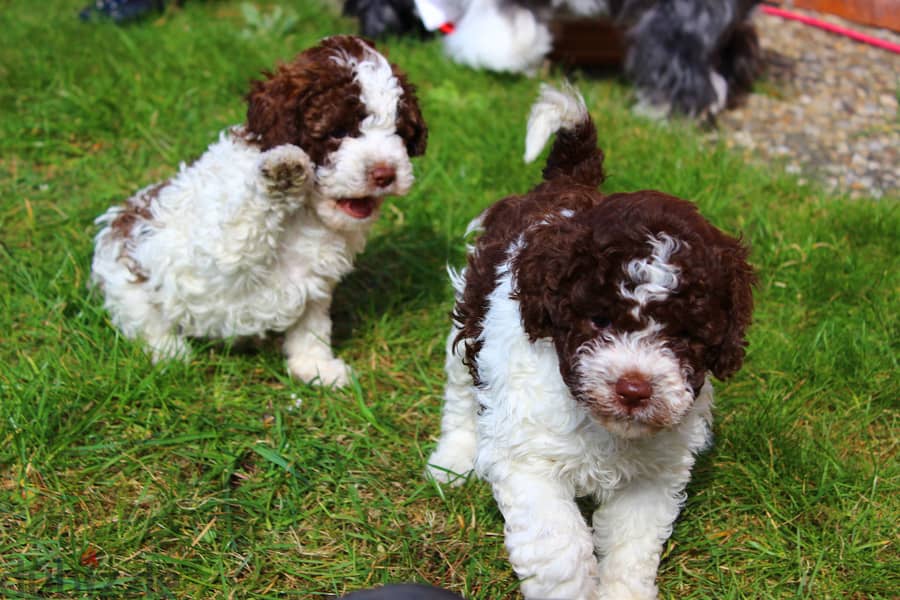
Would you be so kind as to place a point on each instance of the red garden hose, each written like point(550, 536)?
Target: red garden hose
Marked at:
point(860, 37)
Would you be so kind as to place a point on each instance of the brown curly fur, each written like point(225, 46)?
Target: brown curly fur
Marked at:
point(312, 103)
point(568, 274)
point(568, 269)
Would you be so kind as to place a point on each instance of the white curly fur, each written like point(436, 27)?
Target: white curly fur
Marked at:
point(499, 37)
point(554, 110)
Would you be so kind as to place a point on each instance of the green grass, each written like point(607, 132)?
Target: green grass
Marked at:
point(118, 478)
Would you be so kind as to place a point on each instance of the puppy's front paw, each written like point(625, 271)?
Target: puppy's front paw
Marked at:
point(318, 371)
point(453, 459)
point(286, 170)
point(168, 347)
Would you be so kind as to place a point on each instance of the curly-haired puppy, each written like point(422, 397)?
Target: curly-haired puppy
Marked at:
point(586, 329)
point(254, 235)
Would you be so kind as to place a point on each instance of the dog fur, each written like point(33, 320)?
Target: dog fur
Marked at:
point(254, 235)
point(585, 331)
point(379, 19)
point(688, 57)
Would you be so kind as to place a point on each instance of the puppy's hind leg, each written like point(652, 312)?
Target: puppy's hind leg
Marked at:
point(137, 317)
point(126, 298)
point(455, 452)
point(165, 345)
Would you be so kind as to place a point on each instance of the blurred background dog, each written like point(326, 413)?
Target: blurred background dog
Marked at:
point(689, 57)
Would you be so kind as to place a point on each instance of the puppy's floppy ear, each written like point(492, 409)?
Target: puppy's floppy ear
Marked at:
point(546, 269)
point(272, 104)
point(725, 359)
point(410, 124)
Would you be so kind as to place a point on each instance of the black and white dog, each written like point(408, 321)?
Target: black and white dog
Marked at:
point(691, 57)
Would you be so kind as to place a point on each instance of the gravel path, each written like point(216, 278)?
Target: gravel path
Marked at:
point(826, 108)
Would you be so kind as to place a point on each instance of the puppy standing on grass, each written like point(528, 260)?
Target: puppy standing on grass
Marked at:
point(254, 235)
point(585, 332)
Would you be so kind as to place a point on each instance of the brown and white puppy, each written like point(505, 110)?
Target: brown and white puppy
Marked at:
point(254, 235)
point(586, 329)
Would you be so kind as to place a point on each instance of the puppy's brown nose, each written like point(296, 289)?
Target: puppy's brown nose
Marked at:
point(633, 389)
point(382, 175)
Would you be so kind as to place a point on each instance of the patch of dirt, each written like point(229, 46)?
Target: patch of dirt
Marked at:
point(826, 107)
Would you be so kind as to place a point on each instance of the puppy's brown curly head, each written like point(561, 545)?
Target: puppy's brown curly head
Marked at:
point(641, 296)
point(354, 114)
point(634, 259)
point(317, 100)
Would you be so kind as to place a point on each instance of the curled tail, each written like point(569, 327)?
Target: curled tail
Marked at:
point(575, 154)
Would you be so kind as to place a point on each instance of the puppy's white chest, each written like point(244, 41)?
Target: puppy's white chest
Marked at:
point(309, 250)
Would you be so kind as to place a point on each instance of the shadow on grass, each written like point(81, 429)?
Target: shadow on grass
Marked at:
point(400, 271)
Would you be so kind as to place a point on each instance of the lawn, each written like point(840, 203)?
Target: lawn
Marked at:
point(224, 478)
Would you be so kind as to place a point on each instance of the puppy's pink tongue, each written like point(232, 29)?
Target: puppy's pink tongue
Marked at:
point(358, 208)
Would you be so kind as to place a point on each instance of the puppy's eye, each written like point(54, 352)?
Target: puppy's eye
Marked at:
point(601, 322)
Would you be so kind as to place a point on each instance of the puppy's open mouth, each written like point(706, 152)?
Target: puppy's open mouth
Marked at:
point(359, 208)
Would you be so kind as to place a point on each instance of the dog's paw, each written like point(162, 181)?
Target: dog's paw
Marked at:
point(168, 347)
point(286, 170)
point(653, 111)
point(452, 460)
point(721, 88)
point(317, 371)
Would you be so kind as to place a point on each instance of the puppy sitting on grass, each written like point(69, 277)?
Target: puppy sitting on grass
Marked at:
point(585, 332)
point(254, 235)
